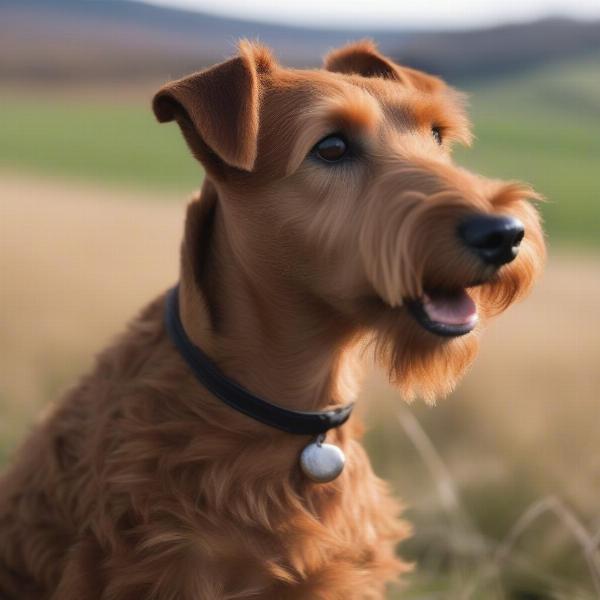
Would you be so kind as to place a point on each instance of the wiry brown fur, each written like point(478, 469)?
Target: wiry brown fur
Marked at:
point(141, 484)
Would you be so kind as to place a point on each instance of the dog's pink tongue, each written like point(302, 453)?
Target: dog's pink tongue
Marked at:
point(451, 309)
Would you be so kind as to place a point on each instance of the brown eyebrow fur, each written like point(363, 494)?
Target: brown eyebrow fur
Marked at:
point(447, 112)
point(348, 110)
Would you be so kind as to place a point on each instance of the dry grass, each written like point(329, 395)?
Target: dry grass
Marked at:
point(501, 479)
point(76, 262)
point(489, 559)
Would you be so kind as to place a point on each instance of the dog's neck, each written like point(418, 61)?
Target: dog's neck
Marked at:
point(282, 345)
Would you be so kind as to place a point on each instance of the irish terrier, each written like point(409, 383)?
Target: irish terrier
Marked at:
point(331, 214)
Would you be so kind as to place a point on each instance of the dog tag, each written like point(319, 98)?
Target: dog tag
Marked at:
point(322, 462)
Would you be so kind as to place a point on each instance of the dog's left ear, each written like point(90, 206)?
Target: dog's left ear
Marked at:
point(218, 109)
point(363, 58)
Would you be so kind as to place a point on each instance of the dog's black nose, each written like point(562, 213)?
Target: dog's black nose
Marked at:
point(495, 239)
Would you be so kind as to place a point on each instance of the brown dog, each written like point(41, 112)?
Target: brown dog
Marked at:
point(331, 213)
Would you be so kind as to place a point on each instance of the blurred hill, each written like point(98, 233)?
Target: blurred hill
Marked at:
point(505, 49)
point(124, 39)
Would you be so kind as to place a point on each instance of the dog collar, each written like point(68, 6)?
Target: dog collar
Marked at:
point(321, 462)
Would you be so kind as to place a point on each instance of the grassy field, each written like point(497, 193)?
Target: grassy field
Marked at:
point(500, 480)
point(111, 142)
point(541, 127)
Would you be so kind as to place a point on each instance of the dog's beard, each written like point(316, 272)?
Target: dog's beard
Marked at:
point(411, 246)
point(418, 363)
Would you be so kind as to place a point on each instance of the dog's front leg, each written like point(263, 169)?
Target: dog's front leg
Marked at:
point(81, 578)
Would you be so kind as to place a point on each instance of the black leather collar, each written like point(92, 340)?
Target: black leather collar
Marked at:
point(235, 396)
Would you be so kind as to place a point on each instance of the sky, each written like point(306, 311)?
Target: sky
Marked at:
point(448, 14)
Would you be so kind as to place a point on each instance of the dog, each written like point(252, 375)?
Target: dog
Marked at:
point(332, 222)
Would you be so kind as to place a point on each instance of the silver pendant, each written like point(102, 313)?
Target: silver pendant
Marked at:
point(322, 462)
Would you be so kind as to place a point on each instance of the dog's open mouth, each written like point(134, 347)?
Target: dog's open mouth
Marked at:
point(445, 313)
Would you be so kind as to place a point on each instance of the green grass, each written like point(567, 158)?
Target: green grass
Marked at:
point(541, 127)
point(120, 144)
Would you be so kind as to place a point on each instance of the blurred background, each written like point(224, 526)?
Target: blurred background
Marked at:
point(501, 480)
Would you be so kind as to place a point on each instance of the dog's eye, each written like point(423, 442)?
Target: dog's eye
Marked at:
point(331, 149)
point(436, 132)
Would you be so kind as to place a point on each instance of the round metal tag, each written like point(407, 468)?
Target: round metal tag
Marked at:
point(322, 462)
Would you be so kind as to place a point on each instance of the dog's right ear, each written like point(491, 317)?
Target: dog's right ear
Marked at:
point(218, 109)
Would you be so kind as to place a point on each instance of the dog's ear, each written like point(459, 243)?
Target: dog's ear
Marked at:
point(363, 58)
point(218, 109)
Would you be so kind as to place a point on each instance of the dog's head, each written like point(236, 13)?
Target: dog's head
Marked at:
point(340, 183)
